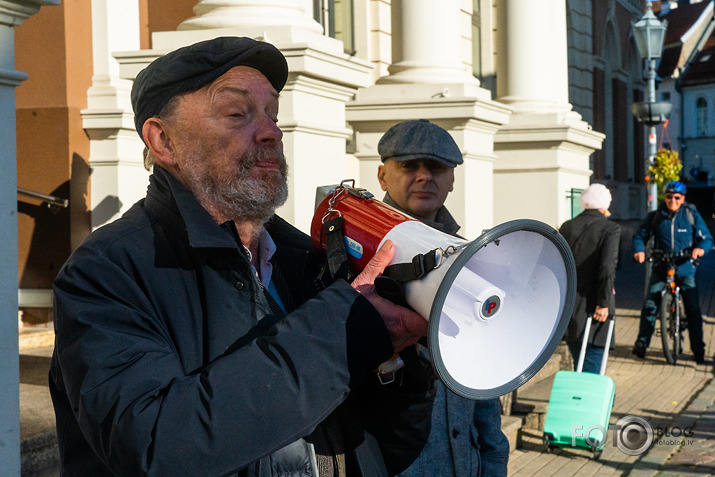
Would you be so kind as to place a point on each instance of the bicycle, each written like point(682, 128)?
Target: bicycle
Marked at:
point(671, 312)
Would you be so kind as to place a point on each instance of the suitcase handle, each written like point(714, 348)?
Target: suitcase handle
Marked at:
point(586, 332)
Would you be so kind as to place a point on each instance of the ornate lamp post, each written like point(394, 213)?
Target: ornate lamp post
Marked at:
point(649, 35)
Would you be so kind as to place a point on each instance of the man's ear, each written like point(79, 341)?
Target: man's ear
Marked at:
point(381, 176)
point(451, 181)
point(158, 141)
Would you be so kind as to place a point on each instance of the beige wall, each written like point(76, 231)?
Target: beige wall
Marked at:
point(54, 48)
point(162, 15)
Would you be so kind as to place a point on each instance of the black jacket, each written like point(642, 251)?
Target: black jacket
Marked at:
point(167, 361)
point(594, 241)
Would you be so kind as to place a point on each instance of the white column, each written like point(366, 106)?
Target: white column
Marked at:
point(427, 43)
point(544, 151)
point(532, 56)
point(118, 176)
point(250, 13)
point(12, 13)
point(322, 79)
point(428, 79)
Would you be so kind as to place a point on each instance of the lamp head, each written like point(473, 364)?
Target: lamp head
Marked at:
point(649, 34)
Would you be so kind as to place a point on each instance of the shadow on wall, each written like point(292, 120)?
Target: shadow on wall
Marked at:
point(105, 210)
point(52, 236)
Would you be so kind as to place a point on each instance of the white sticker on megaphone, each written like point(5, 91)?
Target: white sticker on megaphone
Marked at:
point(353, 247)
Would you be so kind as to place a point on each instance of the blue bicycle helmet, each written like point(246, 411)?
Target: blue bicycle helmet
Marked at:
point(675, 186)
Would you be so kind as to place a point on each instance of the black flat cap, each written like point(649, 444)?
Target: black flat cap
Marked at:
point(419, 139)
point(192, 67)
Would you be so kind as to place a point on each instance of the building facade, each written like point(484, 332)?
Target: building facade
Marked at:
point(536, 94)
point(357, 67)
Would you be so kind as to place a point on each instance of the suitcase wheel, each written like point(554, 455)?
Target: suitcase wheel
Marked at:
point(547, 443)
point(596, 453)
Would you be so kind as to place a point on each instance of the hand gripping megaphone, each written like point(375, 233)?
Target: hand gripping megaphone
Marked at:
point(497, 306)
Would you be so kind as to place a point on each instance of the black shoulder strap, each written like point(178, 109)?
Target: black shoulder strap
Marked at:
point(691, 215)
point(335, 247)
point(655, 221)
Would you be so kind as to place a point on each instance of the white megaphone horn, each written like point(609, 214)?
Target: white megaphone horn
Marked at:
point(497, 306)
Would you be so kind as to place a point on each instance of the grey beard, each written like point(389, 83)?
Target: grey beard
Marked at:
point(242, 197)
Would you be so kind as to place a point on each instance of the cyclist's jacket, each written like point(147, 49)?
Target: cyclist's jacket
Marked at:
point(674, 233)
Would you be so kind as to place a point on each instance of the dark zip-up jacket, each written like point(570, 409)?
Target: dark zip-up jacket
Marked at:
point(168, 362)
point(595, 242)
point(674, 233)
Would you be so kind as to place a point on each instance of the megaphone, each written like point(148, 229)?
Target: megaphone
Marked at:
point(497, 306)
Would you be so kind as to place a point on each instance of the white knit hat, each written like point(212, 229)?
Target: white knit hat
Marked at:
point(596, 196)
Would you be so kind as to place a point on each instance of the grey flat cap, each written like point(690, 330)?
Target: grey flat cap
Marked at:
point(192, 67)
point(419, 139)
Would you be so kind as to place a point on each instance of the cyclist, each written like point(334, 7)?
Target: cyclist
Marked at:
point(675, 227)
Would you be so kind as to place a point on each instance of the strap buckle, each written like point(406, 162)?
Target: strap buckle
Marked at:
point(387, 371)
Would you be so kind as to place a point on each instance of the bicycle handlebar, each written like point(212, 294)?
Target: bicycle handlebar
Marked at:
point(678, 258)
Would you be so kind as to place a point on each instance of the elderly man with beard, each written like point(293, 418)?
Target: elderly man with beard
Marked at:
point(192, 334)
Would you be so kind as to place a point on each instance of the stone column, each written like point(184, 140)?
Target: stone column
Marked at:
point(544, 151)
point(322, 78)
point(427, 43)
point(212, 14)
point(428, 79)
point(532, 62)
point(12, 13)
point(118, 176)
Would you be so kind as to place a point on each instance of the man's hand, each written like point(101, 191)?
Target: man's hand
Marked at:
point(639, 257)
point(697, 253)
point(404, 325)
point(601, 313)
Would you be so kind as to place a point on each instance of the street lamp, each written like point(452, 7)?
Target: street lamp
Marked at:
point(649, 34)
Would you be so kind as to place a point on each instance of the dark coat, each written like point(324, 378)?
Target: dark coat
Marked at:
point(167, 360)
point(594, 241)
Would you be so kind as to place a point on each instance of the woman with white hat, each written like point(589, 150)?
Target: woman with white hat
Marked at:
point(594, 241)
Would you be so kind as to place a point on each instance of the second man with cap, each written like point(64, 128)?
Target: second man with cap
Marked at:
point(417, 173)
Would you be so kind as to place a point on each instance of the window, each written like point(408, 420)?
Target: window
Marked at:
point(701, 117)
point(336, 16)
point(665, 96)
point(476, 40)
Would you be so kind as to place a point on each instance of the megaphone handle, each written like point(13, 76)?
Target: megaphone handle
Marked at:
point(386, 371)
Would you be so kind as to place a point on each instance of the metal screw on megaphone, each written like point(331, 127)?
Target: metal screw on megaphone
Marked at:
point(446, 252)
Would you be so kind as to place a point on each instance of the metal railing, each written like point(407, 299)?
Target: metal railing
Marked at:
point(50, 200)
point(573, 197)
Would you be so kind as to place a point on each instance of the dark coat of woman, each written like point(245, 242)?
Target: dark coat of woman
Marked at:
point(594, 241)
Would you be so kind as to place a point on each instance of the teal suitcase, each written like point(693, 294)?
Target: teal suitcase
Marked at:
point(580, 405)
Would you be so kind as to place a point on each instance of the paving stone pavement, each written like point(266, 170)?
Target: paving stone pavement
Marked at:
point(677, 401)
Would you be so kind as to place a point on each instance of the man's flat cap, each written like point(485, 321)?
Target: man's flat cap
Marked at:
point(192, 67)
point(419, 139)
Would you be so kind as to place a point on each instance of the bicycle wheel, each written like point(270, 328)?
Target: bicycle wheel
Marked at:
point(669, 333)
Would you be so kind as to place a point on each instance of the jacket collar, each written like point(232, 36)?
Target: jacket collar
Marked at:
point(173, 204)
point(444, 222)
point(595, 213)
